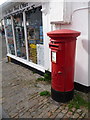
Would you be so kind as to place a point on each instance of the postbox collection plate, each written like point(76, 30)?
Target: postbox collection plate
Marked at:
point(54, 56)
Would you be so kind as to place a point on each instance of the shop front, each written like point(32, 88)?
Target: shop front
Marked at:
point(26, 27)
point(24, 36)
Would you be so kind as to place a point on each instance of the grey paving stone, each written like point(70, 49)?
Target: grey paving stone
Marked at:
point(60, 115)
point(75, 115)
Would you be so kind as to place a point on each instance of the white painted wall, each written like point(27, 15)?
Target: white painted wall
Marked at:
point(46, 28)
point(56, 10)
point(79, 23)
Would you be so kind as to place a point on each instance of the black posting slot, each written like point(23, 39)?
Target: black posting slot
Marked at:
point(51, 45)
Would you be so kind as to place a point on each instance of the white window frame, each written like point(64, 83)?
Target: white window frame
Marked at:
point(27, 62)
point(25, 32)
point(6, 37)
point(13, 35)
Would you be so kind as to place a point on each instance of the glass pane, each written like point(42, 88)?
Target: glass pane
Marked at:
point(35, 35)
point(19, 36)
point(8, 26)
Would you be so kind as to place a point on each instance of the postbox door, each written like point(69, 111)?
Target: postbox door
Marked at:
point(58, 72)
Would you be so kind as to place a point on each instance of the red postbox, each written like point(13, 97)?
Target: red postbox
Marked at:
point(62, 44)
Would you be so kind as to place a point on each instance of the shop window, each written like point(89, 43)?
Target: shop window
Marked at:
point(8, 26)
point(35, 35)
point(19, 35)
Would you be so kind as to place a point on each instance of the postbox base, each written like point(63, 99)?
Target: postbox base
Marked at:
point(62, 96)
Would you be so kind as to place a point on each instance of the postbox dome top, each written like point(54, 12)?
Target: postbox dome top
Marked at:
point(63, 33)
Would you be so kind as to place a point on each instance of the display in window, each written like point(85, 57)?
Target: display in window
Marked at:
point(41, 34)
point(19, 36)
point(33, 53)
point(40, 54)
point(9, 32)
point(31, 34)
point(34, 33)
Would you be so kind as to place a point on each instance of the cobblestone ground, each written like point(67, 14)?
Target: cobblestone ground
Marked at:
point(21, 97)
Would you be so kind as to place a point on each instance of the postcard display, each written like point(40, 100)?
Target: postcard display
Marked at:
point(19, 36)
point(34, 30)
point(35, 36)
point(8, 26)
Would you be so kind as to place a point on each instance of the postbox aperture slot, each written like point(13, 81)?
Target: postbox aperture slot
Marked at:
point(51, 45)
point(55, 46)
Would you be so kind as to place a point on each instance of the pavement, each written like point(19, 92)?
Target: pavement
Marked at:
point(21, 96)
